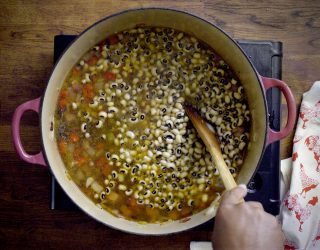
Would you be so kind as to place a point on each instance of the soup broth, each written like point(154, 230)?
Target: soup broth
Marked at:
point(124, 136)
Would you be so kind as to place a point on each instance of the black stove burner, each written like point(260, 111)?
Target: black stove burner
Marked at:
point(264, 187)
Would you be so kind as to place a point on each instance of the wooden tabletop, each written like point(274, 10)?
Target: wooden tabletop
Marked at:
point(26, 46)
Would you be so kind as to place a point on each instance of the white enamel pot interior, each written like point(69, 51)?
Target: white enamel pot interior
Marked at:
point(203, 30)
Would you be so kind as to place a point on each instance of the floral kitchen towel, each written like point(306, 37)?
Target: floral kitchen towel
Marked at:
point(300, 209)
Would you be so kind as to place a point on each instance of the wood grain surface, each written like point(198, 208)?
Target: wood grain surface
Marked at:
point(27, 29)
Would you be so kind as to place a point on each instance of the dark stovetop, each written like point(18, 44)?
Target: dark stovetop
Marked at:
point(264, 187)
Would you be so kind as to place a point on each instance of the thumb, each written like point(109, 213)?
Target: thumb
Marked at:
point(234, 196)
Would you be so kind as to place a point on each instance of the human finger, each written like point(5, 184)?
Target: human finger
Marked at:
point(255, 204)
point(234, 195)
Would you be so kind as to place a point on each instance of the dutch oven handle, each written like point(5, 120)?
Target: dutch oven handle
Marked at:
point(15, 129)
point(292, 112)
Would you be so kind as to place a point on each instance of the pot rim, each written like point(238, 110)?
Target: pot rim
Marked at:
point(120, 13)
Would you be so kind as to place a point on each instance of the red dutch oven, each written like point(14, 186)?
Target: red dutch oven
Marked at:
point(261, 135)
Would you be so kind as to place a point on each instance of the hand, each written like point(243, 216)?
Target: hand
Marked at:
point(245, 225)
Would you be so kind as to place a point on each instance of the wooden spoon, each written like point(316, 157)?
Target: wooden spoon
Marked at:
point(208, 137)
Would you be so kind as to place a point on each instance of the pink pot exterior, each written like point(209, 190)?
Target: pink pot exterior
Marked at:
point(33, 105)
point(292, 111)
point(256, 88)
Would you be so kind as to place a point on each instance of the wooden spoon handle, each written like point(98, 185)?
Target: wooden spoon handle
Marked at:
point(213, 147)
point(225, 174)
point(212, 144)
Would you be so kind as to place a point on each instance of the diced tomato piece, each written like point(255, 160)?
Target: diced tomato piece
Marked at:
point(74, 137)
point(88, 87)
point(76, 72)
point(62, 145)
point(92, 60)
point(113, 39)
point(63, 93)
point(109, 76)
point(185, 211)
point(81, 160)
point(77, 152)
point(87, 91)
point(101, 162)
point(63, 103)
point(132, 202)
